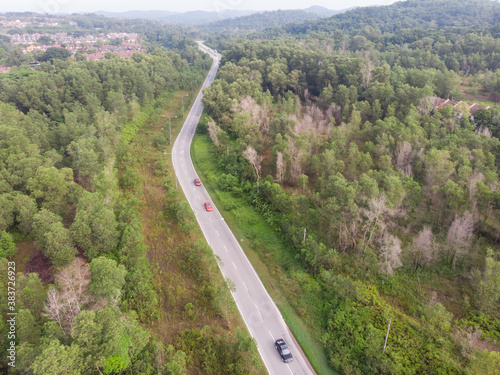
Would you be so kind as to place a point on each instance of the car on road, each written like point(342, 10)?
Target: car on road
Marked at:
point(197, 182)
point(208, 206)
point(282, 348)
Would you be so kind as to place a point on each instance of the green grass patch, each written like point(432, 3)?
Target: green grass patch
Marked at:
point(20, 73)
point(151, 113)
point(294, 291)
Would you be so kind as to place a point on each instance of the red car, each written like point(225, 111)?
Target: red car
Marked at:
point(208, 206)
point(197, 182)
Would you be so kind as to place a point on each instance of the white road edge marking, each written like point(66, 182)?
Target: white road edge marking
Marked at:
point(271, 335)
point(258, 309)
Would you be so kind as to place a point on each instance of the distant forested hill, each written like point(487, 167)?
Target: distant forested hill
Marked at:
point(135, 14)
point(431, 14)
point(262, 20)
point(195, 17)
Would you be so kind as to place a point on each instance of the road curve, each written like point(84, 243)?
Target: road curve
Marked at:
point(261, 316)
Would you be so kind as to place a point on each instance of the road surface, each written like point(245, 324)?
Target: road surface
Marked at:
point(261, 316)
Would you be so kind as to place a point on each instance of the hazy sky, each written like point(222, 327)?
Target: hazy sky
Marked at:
point(68, 6)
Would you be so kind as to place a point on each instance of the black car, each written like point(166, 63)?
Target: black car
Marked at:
point(286, 355)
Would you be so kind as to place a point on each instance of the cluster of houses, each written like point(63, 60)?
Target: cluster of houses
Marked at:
point(7, 22)
point(75, 41)
point(94, 46)
point(17, 24)
point(70, 39)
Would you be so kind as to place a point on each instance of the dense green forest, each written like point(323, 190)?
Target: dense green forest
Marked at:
point(405, 34)
point(89, 293)
point(427, 14)
point(330, 129)
point(370, 22)
point(335, 123)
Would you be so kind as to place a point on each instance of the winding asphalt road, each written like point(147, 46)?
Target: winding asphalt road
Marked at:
point(261, 316)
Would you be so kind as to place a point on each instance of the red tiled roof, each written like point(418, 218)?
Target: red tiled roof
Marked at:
point(5, 69)
point(95, 56)
point(441, 103)
point(126, 54)
point(476, 107)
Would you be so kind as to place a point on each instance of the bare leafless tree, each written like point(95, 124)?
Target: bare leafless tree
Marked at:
point(423, 248)
point(54, 307)
point(213, 129)
point(484, 130)
point(258, 114)
point(66, 301)
point(472, 185)
point(366, 69)
point(373, 221)
point(75, 278)
point(295, 154)
point(404, 158)
point(306, 96)
point(390, 250)
point(468, 339)
point(459, 237)
point(250, 106)
point(320, 119)
point(305, 124)
point(426, 105)
point(254, 158)
point(280, 167)
point(348, 231)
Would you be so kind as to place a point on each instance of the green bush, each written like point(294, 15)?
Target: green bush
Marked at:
point(130, 180)
point(437, 316)
point(185, 217)
point(159, 140)
point(219, 354)
point(161, 169)
point(227, 181)
point(7, 246)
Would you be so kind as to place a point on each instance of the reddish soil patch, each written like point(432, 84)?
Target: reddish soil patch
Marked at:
point(40, 264)
point(25, 250)
point(494, 98)
point(486, 345)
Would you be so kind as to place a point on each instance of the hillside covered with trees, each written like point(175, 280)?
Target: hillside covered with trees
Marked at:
point(426, 14)
point(335, 124)
point(260, 21)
